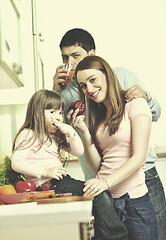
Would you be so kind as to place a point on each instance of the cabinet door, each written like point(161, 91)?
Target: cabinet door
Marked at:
point(38, 42)
point(10, 44)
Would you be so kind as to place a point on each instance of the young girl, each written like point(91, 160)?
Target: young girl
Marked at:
point(116, 145)
point(38, 143)
point(36, 150)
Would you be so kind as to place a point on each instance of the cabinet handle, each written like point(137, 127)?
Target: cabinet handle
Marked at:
point(17, 68)
point(41, 38)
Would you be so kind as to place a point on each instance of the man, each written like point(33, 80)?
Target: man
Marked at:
point(77, 44)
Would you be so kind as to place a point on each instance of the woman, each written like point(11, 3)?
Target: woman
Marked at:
point(116, 145)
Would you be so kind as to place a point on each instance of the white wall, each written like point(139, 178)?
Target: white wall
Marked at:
point(130, 33)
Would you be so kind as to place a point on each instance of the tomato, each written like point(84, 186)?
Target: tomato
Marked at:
point(7, 190)
point(45, 187)
point(25, 186)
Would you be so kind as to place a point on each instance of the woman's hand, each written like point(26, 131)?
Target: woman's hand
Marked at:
point(76, 121)
point(54, 172)
point(94, 187)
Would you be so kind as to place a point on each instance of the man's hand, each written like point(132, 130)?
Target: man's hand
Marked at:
point(59, 79)
point(134, 92)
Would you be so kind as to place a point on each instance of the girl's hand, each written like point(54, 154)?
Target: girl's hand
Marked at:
point(94, 187)
point(54, 172)
point(65, 128)
point(76, 121)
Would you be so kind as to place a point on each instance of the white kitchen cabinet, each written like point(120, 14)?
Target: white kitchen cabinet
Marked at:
point(22, 53)
point(39, 46)
point(11, 69)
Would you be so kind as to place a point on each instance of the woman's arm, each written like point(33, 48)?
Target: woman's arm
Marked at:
point(91, 154)
point(141, 126)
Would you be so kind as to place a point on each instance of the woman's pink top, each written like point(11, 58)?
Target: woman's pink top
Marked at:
point(117, 149)
point(31, 162)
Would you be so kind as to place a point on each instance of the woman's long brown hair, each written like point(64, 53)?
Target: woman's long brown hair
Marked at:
point(97, 112)
point(35, 120)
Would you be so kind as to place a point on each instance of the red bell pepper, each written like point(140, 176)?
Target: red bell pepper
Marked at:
point(25, 186)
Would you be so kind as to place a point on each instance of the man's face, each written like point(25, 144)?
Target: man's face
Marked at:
point(74, 54)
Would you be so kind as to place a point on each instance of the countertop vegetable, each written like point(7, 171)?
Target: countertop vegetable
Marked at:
point(7, 190)
point(25, 186)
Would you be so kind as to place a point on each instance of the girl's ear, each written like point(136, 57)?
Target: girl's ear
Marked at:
point(92, 52)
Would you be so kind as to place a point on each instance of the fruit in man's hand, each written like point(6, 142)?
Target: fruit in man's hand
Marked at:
point(7, 190)
point(25, 186)
point(45, 187)
point(75, 105)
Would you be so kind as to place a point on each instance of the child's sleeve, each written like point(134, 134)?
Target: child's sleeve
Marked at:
point(19, 160)
point(76, 145)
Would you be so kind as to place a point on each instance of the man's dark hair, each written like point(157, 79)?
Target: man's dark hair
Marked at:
point(79, 37)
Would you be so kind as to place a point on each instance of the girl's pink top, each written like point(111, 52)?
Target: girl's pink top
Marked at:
point(31, 163)
point(117, 149)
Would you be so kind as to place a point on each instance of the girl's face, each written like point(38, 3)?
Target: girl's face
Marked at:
point(52, 115)
point(94, 84)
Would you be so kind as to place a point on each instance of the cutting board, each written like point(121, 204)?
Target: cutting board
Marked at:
point(62, 199)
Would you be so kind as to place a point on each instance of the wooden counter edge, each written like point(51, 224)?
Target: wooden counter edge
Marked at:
point(160, 155)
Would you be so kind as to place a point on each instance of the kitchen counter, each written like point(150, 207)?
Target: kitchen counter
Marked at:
point(161, 155)
point(58, 221)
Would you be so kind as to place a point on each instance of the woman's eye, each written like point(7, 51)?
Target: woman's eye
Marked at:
point(92, 80)
point(83, 86)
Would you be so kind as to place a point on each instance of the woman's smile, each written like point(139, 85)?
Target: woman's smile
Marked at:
point(94, 94)
point(93, 83)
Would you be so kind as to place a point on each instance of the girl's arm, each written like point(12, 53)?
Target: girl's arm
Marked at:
point(20, 161)
point(20, 164)
point(20, 156)
point(76, 146)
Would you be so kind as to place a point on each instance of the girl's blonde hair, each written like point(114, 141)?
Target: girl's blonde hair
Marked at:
point(35, 120)
point(97, 112)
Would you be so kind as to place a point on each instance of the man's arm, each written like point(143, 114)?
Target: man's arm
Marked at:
point(135, 89)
